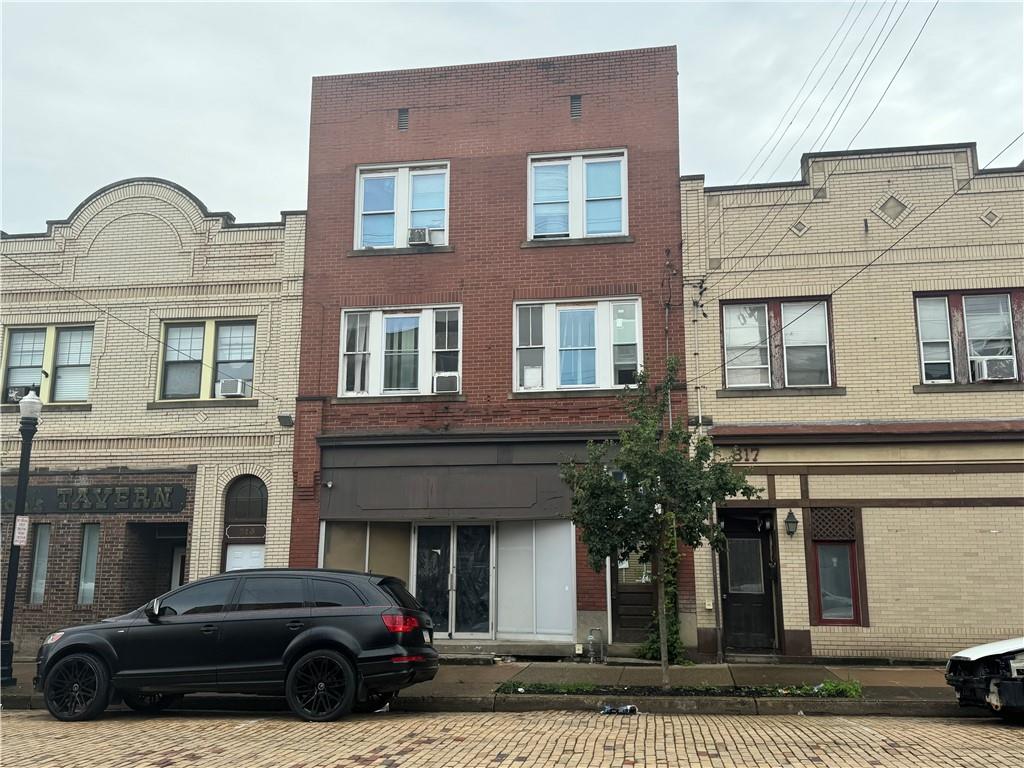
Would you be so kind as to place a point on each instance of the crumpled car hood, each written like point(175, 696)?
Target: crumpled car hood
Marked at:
point(991, 649)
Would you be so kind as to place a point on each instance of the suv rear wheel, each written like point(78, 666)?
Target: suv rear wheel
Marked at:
point(77, 687)
point(321, 686)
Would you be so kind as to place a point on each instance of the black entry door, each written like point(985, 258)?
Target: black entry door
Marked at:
point(633, 600)
point(747, 577)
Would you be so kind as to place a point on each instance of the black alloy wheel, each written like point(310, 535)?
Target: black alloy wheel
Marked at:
point(149, 703)
point(321, 686)
point(77, 688)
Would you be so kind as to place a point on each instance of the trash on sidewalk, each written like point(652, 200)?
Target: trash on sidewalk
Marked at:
point(625, 709)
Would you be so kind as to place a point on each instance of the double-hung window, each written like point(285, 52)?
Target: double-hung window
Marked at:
point(570, 345)
point(794, 335)
point(207, 359)
point(577, 195)
point(65, 353)
point(401, 351)
point(984, 347)
point(402, 206)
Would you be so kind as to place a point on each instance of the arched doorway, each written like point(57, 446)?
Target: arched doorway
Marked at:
point(245, 523)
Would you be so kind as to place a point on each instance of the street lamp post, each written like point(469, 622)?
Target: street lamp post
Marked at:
point(30, 407)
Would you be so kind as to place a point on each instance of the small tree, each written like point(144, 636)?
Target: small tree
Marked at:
point(665, 492)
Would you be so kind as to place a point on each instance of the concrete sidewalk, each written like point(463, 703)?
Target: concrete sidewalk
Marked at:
point(457, 687)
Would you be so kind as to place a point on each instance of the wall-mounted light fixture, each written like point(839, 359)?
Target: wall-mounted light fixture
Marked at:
point(791, 523)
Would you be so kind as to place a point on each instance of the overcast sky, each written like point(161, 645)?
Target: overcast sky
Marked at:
point(216, 96)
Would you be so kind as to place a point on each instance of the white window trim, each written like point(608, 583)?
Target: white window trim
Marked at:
point(967, 337)
point(403, 199)
point(767, 345)
point(828, 342)
point(375, 365)
point(577, 161)
point(921, 341)
point(604, 338)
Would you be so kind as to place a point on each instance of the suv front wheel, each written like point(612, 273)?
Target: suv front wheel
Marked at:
point(77, 687)
point(321, 686)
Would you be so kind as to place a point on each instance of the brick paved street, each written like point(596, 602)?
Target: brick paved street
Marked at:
point(529, 739)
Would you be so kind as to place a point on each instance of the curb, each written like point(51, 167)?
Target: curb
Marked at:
point(657, 705)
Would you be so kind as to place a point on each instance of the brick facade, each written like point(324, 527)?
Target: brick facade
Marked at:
point(136, 255)
point(941, 546)
point(485, 121)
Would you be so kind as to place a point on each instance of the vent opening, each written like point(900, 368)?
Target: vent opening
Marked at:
point(403, 119)
point(575, 107)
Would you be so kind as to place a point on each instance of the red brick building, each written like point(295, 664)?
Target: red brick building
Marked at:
point(492, 250)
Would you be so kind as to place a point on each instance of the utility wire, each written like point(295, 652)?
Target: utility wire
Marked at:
point(797, 95)
point(802, 103)
point(134, 327)
point(835, 167)
point(862, 268)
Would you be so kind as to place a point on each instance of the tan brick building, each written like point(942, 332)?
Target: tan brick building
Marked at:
point(163, 339)
point(883, 419)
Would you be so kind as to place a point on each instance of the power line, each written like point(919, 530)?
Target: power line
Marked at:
point(134, 327)
point(807, 127)
point(862, 268)
point(795, 97)
point(831, 172)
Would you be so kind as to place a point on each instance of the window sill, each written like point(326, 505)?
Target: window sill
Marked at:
point(410, 251)
point(223, 402)
point(51, 407)
point(564, 393)
point(1006, 386)
point(787, 392)
point(381, 399)
point(555, 242)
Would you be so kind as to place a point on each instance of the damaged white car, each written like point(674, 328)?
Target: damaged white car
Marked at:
point(990, 675)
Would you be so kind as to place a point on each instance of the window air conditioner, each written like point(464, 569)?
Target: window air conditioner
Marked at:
point(995, 369)
point(419, 236)
point(446, 382)
point(231, 388)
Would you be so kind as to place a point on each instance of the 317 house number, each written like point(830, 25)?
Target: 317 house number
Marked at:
point(744, 455)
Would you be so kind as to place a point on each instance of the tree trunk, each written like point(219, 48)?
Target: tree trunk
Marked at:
point(662, 622)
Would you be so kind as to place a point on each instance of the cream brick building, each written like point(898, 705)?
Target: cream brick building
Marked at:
point(168, 341)
point(884, 419)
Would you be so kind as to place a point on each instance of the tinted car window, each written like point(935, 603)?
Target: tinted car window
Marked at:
point(270, 594)
point(334, 594)
point(208, 597)
point(401, 595)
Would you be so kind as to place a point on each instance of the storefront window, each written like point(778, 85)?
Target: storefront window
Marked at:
point(40, 559)
point(87, 570)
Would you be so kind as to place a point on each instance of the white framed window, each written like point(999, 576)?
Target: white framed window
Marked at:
point(991, 354)
point(577, 195)
point(805, 344)
point(746, 335)
point(392, 200)
point(64, 352)
point(401, 351)
point(87, 565)
point(235, 356)
point(576, 345)
point(935, 340)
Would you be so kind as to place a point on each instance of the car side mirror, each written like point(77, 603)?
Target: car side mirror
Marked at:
point(152, 609)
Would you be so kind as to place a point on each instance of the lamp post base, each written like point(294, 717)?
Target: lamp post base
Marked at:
point(7, 664)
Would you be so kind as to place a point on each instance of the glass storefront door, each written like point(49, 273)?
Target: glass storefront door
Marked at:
point(453, 577)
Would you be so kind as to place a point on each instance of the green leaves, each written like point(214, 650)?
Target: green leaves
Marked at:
point(631, 494)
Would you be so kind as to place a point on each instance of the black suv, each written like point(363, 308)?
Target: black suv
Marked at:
point(331, 641)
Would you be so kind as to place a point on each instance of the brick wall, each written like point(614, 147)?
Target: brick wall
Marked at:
point(129, 569)
point(143, 252)
point(485, 120)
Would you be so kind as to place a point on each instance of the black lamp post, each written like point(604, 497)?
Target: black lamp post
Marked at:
point(30, 407)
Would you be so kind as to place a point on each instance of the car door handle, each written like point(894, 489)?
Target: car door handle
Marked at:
point(295, 625)
point(208, 629)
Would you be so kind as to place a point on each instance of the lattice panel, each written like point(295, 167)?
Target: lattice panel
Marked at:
point(833, 523)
